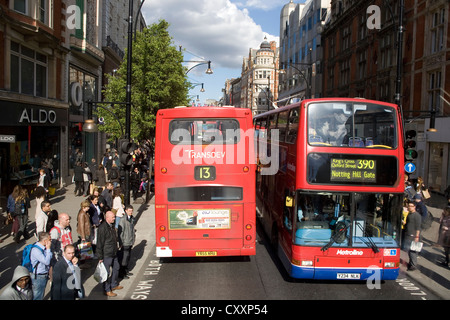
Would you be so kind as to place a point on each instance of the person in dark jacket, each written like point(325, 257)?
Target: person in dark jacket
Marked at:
point(127, 236)
point(78, 179)
point(66, 277)
point(101, 176)
point(107, 246)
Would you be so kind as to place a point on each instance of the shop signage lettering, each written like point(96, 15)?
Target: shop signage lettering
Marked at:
point(7, 138)
point(41, 116)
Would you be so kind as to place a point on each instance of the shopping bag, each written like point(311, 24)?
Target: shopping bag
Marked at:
point(100, 274)
point(86, 252)
point(426, 194)
point(51, 191)
point(416, 246)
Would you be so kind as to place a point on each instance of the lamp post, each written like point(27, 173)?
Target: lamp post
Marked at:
point(208, 71)
point(308, 89)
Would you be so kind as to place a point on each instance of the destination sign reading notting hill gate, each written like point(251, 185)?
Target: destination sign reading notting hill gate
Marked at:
point(353, 170)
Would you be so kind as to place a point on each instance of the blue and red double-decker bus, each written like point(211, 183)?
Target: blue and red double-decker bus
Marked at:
point(333, 206)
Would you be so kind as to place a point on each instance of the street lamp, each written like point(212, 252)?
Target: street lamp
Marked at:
point(301, 72)
point(208, 71)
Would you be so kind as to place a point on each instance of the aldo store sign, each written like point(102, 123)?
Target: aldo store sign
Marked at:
point(19, 114)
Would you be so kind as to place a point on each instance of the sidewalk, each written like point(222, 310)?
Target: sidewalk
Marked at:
point(431, 274)
point(65, 201)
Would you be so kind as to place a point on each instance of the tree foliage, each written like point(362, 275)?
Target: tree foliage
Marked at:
point(158, 81)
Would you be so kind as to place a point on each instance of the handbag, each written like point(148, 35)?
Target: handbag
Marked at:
point(100, 274)
point(416, 246)
point(9, 219)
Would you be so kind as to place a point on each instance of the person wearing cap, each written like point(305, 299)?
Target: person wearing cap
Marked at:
point(412, 233)
point(421, 208)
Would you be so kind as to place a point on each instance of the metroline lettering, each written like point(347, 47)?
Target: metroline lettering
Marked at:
point(349, 252)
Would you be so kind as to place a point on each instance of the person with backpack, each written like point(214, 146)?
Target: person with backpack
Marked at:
point(21, 206)
point(61, 236)
point(40, 257)
point(114, 175)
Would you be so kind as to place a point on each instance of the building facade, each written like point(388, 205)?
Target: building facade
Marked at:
point(52, 63)
point(301, 51)
point(33, 100)
point(259, 79)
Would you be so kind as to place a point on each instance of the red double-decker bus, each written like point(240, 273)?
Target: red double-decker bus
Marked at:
point(332, 203)
point(204, 182)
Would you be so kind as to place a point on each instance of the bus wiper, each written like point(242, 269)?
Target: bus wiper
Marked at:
point(339, 235)
point(367, 240)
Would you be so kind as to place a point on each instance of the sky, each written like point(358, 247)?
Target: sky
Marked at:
point(222, 31)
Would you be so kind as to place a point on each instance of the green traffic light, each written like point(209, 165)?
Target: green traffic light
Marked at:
point(411, 154)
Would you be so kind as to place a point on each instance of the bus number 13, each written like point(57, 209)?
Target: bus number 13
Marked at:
point(205, 173)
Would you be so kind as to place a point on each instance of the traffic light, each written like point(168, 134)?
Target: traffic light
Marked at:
point(410, 145)
point(126, 152)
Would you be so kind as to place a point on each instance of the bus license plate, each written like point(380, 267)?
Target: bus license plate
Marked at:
point(206, 253)
point(349, 276)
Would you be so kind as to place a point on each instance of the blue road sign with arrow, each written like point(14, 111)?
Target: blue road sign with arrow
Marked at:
point(410, 167)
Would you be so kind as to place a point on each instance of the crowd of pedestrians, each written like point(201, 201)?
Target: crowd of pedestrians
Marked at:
point(417, 219)
point(103, 223)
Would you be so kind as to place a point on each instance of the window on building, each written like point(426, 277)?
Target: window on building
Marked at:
point(345, 72)
point(28, 71)
point(434, 90)
point(346, 38)
point(437, 30)
point(362, 63)
point(20, 6)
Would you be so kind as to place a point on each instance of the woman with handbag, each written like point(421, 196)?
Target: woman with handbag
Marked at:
point(444, 234)
point(11, 208)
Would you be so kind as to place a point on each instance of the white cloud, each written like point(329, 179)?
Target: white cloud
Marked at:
point(216, 30)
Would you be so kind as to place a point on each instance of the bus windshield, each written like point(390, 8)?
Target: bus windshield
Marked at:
point(204, 131)
point(347, 124)
point(371, 218)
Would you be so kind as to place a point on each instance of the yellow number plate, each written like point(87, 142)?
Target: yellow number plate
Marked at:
point(206, 253)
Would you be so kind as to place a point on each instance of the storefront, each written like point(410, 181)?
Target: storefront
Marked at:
point(83, 146)
point(29, 135)
point(438, 159)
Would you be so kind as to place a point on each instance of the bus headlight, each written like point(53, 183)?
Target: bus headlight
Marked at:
point(162, 239)
point(389, 264)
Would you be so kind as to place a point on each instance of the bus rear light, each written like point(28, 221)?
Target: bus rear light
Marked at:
point(248, 237)
point(163, 170)
point(248, 227)
point(246, 169)
point(306, 263)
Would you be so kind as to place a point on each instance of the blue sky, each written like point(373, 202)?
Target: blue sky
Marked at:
point(222, 31)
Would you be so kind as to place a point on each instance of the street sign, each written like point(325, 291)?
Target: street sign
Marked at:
point(410, 167)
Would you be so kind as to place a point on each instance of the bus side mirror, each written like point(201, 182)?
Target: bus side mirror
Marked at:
point(289, 201)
